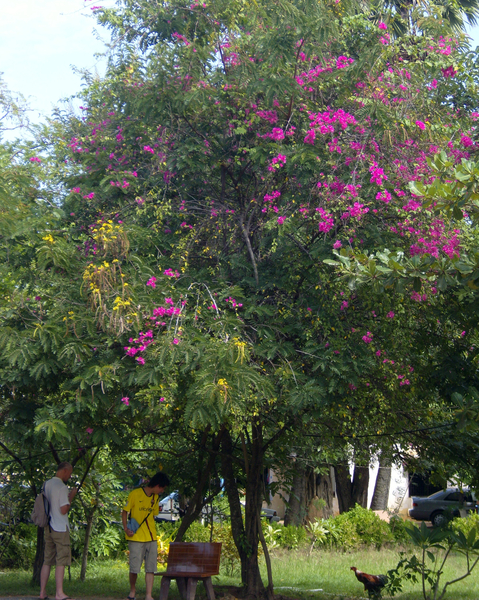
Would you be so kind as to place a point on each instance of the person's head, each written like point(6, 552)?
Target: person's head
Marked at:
point(159, 482)
point(64, 470)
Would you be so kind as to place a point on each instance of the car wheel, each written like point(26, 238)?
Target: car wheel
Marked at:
point(438, 519)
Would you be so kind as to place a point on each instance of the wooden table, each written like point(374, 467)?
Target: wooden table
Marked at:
point(188, 563)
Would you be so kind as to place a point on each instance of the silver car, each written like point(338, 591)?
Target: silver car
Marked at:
point(442, 506)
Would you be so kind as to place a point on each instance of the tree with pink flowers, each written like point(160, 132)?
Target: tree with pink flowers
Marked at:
point(236, 175)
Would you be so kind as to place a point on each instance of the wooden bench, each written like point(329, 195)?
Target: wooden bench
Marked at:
point(188, 563)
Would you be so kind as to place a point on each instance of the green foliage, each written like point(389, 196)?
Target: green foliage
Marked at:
point(271, 532)
point(434, 549)
point(465, 525)
point(197, 532)
point(107, 543)
point(360, 526)
point(292, 537)
point(17, 546)
point(399, 529)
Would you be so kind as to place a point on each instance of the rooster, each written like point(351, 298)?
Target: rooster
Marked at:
point(372, 583)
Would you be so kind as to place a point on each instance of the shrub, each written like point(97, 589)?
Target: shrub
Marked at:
point(346, 535)
point(17, 551)
point(197, 532)
point(292, 537)
point(359, 527)
point(106, 543)
point(399, 529)
point(230, 559)
point(465, 525)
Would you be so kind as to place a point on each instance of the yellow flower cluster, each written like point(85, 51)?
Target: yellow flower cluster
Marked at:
point(119, 303)
point(48, 238)
point(110, 237)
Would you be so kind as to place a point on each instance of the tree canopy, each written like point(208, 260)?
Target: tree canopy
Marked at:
point(189, 250)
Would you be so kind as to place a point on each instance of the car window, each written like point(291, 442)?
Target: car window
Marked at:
point(436, 495)
point(454, 497)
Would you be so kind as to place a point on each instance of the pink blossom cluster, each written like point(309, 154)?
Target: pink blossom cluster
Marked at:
point(140, 344)
point(171, 273)
point(151, 282)
point(368, 337)
point(449, 71)
point(181, 38)
point(333, 146)
point(123, 185)
point(309, 76)
point(269, 200)
point(170, 311)
point(343, 62)
point(327, 223)
point(417, 297)
point(270, 115)
point(377, 174)
point(356, 211)
point(277, 162)
point(385, 196)
point(233, 302)
point(466, 141)
point(277, 135)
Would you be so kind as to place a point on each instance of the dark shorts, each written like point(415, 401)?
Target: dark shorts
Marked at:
point(57, 548)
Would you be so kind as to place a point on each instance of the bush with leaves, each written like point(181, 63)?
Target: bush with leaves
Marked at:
point(465, 525)
point(17, 548)
point(399, 529)
point(434, 547)
point(293, 537)
point(361, 527)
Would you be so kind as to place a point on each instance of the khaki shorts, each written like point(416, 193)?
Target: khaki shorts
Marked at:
point(57, 548)
point(143, 550)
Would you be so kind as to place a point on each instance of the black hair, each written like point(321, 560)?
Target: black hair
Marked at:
point(160, 479)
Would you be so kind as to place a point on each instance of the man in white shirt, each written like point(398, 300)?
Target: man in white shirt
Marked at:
point(57, 533)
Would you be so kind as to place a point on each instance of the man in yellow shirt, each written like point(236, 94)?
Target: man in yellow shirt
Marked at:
point(142, 506)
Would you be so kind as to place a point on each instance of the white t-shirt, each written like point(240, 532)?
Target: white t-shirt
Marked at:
point(57, 493)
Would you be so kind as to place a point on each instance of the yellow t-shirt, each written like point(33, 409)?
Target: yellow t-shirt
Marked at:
point(139, 505)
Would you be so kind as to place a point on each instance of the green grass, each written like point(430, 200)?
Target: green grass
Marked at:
point(328, 571)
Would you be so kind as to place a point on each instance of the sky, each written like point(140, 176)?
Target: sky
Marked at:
point(41, 41)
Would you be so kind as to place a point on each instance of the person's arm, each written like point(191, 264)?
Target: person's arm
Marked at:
point(124, 518)
point(66, 507)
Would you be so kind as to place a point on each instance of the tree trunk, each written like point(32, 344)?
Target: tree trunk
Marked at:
point(344, 488)
point(231, 488)
point(196, 503)
point(86, 544)
point(250, 574)
point(247, 535)
point(383, 483)
point(352, 492)
point(297, 504)
point(360, 486)
point(39, 554)
point(311, 497)
point(324, 493)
